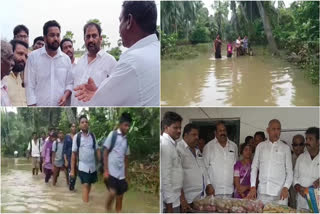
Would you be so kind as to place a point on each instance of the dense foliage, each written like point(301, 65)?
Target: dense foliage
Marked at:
point(17, 128)
point(291, 31)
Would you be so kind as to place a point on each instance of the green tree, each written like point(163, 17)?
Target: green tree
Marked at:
point(105, 39)
point(69, 35)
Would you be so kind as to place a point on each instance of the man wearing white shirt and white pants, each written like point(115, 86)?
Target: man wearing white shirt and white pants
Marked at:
point(95, 63)
point(48, 71)
point(196, 182)
point(306, 171)
point(171, 169)
point(34, 151)
point(135, 80)
point(273, 161)
point(220, 155)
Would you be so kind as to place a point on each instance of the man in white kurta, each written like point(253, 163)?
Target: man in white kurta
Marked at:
point(273, 161)
point(48, 71)
point(220, 155)
point(95, 63)
point(135, 80)
point(306, 171)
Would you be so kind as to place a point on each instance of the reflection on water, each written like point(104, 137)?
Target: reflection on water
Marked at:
point(22, 192)
point(260, 80)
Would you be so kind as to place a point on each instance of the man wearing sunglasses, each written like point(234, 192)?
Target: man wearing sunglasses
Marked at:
point(306, 171)
point(298, 148)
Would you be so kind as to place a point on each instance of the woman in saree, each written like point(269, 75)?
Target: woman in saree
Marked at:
point(242, 170)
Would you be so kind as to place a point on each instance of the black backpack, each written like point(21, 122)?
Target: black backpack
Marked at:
point(113, 141)
point(78, 140)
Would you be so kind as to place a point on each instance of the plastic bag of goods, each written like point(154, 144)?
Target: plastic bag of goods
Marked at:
point(235, 205)
point(274, 207)
point(204, 205)
point(228, 205)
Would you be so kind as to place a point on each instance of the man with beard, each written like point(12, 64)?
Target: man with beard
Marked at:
point(220, 155)
point(7, 64)
point(96, 63)
point(66, 46)
point(48, 71)
point(38, 43)
point(21, 32)
point(306, 171)
point(273, 161)
point(14, 80)
point(135, 80)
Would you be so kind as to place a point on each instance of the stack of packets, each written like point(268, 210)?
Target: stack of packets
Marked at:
point(313, 198)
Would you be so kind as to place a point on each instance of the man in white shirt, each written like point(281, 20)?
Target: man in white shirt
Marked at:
point(34, 151)
point(220, 155)
point(7, 64)
point(297, 148)
point(96, 63)
point(115, 157)
point(196, 182)
point(136, 78)
point(48, 78)
point(273, 161)
point(66, 46)
point(306, 171)
point(84, 149)
point(171, 169)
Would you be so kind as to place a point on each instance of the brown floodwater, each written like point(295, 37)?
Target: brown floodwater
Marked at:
point(259, 80)
point(23, 193)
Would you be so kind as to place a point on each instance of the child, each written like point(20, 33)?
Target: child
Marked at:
point(229, 49)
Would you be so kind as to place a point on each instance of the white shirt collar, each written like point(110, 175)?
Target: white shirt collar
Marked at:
point(120, 133)
point(275, 143)
point(44, 51)
point(144, 42)
point(165, 135)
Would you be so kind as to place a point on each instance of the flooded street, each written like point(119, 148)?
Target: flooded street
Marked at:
point(22, 192)
point(260, 80)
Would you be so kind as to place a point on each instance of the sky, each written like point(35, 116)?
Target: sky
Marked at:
point(208, 4)
point(72, 15)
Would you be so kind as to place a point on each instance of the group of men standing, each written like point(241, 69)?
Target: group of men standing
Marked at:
point(78, 154)
point(51, 76)
point(188, 175)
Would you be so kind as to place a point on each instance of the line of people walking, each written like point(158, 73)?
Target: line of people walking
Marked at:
point(78, 154)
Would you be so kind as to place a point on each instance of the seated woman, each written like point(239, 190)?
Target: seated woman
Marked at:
point(242, 170)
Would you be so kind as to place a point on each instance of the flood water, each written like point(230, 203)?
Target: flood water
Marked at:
point(21, 192)
point(259, 80)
